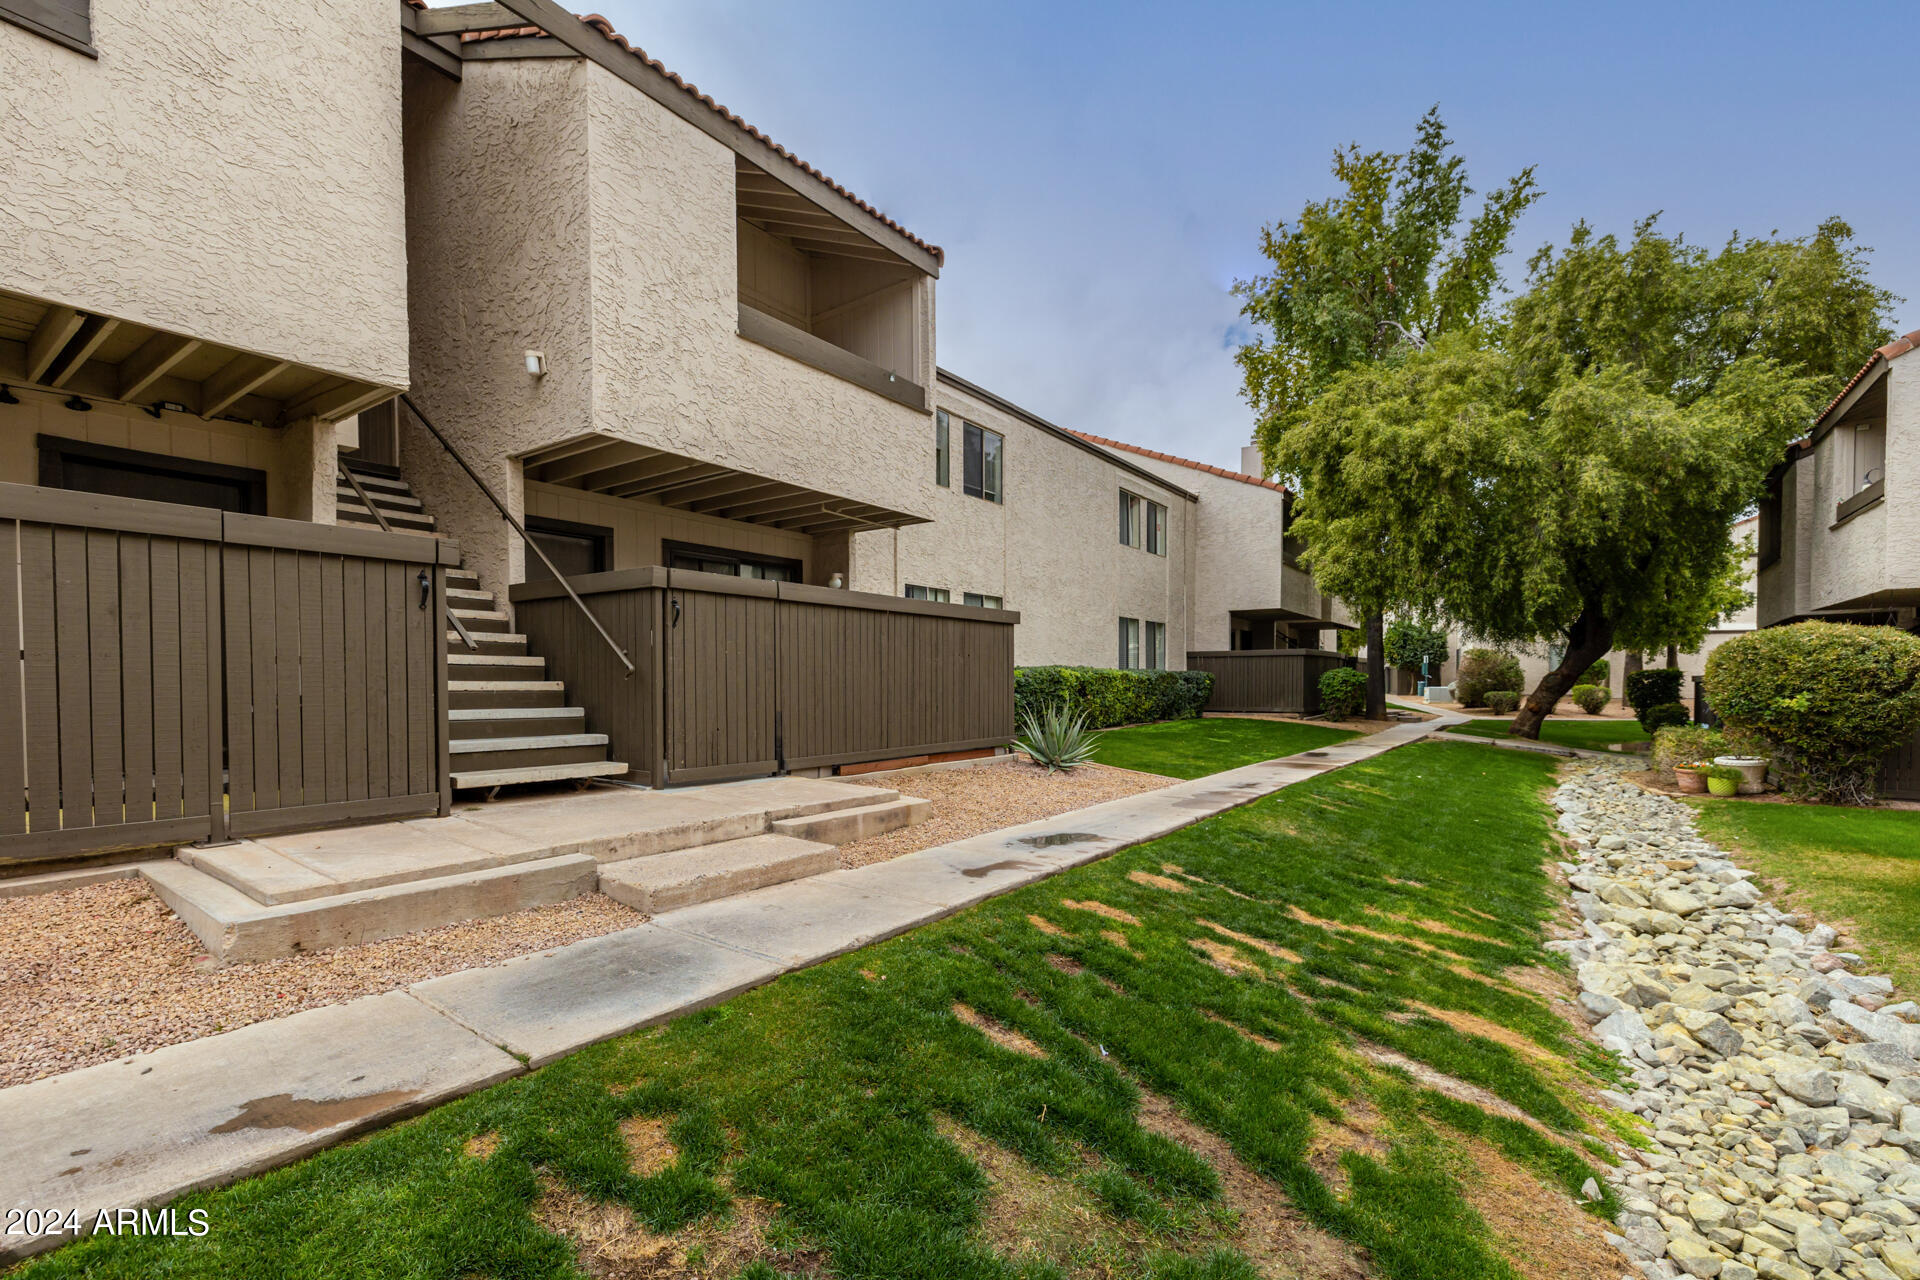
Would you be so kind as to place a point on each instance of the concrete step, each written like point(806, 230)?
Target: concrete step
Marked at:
point(466, 723)
point(467, 597)
point(490, 639)
point(372, 480)
point(481, 755)
point(385, 500)
point(464, 611)
point(464, 579)
point(408, 520)
point(540, 773)
point(469, 695)
point(234, 927)
point(843, 826)
point(464, 666)
point(665, 881)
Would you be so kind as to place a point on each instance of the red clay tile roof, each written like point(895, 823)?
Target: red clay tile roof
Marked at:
point(1209, 468)
point(605, 28)
point(1892, 351)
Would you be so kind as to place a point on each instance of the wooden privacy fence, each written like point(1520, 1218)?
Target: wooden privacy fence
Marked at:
point(1285, 681)
point(173, 673)
point(740, 678)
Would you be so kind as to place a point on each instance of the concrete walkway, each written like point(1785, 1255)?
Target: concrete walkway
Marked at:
point(142, 1131)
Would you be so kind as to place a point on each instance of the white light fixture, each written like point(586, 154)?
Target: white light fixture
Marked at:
point(537, 363)
point(836, 582)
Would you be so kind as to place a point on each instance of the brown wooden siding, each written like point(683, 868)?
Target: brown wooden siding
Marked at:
point(1283, 681)
point(144, 645)
point(737, 678)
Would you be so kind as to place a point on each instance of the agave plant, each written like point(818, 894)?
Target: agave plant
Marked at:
point(1056, 737)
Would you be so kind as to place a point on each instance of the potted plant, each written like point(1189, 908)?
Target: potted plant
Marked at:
point(1752, 771)
point(1691, 778)
point(1723, 780)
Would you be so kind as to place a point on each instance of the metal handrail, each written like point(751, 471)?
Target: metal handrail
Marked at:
point(353, 482)
point(518, 528)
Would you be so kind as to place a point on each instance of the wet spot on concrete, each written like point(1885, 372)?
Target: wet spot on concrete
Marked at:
point(68, 1173)
point(1054, 838)
point(310, 1115)
point(1007, 864)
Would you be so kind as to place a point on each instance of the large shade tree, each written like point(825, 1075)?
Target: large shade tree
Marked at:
point(1388, 266)
point(1574, 474)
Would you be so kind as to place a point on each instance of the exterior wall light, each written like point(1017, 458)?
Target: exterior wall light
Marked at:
point(7, 396)
point(77, 404)
point(537, 363)
point(836, 581)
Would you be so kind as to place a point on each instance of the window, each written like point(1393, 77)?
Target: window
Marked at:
point(64, 22)
point(736, 564)
point(979, 601)
point(939, 595)
point(942, 450)
point(156, 477)
point(1771, 512)
point(1155, 650)
point(574, 548)
point(1143, 524)
point(1129, 644)
point(980, 463)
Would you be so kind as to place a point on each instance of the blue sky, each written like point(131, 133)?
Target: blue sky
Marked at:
point(1098, 174)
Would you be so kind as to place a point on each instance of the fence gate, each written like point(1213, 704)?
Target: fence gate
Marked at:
point(720, 696)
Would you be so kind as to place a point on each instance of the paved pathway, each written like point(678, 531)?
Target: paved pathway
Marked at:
point(144, 1130)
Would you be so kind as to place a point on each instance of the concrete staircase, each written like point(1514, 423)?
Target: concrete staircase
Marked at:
point(507, 723)
point(276, 896)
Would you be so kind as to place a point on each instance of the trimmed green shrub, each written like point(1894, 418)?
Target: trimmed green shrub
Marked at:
point(1827, 699)
point(1343, 691)
point(1107, 696)
point(1503, 702)
point(1686, 744)
point(1599, 673)
point(1481, 672)
point(1590, 698)
point(1664, 715)
point(1056, 738)
point(1651, 688)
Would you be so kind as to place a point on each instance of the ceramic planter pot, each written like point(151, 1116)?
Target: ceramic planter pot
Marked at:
point(1753, 772)
point(1722, 787)
point(1692, 782)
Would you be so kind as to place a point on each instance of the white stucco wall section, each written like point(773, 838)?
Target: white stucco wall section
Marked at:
point(221, 170)
point(1051, 550)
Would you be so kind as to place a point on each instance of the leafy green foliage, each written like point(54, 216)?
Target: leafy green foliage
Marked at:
point(1724, 773)
point(1482, 671)
point(1416, 642)
point(1653, 687)
point(1828, 700)
point(1502, 702)
point(1600, 673)
point(1107, 696)
point(824, 1094)
point(1575, 473)
point(1687, 744)
point(1343, 691)
point(1590, 698)
point(1057, 737)
point(1663, 715)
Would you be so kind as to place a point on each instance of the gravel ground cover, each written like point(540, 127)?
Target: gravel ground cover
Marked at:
point(106, 971)
point(987, 797)
point(1778, 1089)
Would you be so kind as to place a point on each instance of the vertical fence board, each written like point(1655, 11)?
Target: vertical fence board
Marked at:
point(354, 639)
point(136, 676)
point(40, 655)
point(286, 675)
point(13, 727)
point(333, 691)
point(76, 717)
point(375, 640)
point(396, 619)
point(103, 643)
point(313, 684)
point(421, 704)
point(164, 587)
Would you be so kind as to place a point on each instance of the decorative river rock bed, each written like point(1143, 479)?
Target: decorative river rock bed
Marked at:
point(1780, 1090)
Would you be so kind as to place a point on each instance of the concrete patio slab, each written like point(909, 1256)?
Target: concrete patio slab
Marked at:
point(140, 1132)
point(548, 1005)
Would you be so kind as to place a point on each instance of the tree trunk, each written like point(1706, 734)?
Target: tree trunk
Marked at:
point(1588, 640)
point(1673, 655)
point(1376, 666)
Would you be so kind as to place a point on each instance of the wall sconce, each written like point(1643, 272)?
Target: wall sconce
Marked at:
point(537, 363)
point(78, 405)
point(7, 396)
point(836, 581)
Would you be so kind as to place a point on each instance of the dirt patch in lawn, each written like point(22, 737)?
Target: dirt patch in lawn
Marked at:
point(649, 1150)
point(998, 1032)
point(105, 971)
point(611, 1244)
point(482, 1145)
point(1546, 1235)
point(1274, 1235)
point(1027, 1213)
point(987, 797)
point(1153, 881)
point(1047, 927)
point(1226, 959)
point(1101, 909)
point(1247, 939)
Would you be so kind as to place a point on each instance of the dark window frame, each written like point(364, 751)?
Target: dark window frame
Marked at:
point(1772, 509)
point(978, 600)
point(945, 596)
point(973, 462)
point(56, 451)
point(669, 549)
point(943, 449)
point(599, 534)
point(1130, 661)
point(52, 20)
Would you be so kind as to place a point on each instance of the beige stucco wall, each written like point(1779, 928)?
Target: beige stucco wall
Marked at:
point(221, 170)
point(1051, 550)
point(553, 207)
point(297, 489)
point(640, 528)
point(1237, 563)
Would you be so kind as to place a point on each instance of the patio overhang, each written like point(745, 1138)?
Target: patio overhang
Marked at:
point(1290, 615)
point(103, 357)
point(601, 463)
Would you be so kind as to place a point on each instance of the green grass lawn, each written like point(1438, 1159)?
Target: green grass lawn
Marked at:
point(1594, 735)
point(1223, 985)
point(1195, 748)
point(1858, 865)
